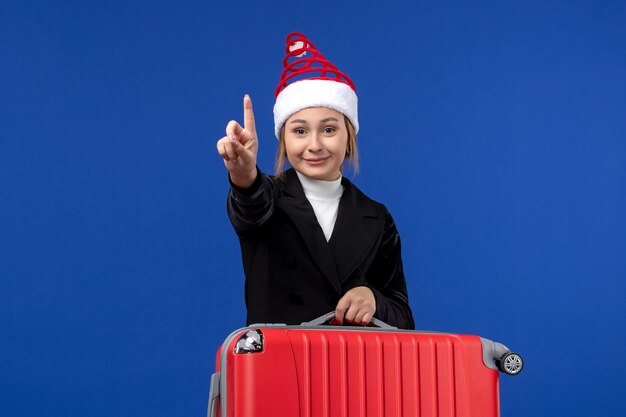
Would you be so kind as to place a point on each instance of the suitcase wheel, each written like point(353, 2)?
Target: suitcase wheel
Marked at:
point(510, 363)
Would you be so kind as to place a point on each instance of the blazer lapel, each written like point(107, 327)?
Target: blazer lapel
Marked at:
point(357, 231)
point(296, 206)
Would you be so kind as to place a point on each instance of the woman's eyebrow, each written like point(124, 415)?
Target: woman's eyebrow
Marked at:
point(326, 120)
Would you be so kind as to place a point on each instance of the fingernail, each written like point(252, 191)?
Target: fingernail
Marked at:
point(231, 138)
point(246, 95)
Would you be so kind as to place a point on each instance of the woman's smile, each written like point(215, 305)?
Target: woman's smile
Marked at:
point(316, 161)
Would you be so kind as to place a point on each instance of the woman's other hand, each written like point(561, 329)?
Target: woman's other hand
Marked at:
point(357, 306)
point(239, 148)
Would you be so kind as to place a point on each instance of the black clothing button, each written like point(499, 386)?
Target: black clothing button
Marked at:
point(295, 298)
point(290, 261)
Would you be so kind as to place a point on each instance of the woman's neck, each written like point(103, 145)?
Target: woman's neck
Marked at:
point(320, 189)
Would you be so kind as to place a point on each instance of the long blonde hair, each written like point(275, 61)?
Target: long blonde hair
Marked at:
point(352, 151)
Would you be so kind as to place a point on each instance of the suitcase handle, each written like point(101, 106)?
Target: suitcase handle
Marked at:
point(331, 315)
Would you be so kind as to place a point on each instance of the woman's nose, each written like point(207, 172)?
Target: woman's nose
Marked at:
point(315, 144)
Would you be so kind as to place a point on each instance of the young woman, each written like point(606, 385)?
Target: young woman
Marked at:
point(311, 241)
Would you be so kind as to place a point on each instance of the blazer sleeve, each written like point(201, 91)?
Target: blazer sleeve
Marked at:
point(250, 208)
point(385, 278)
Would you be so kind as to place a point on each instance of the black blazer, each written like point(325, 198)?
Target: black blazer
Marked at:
point(293, 274)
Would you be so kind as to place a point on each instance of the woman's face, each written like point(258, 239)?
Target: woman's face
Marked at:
point(315, 142)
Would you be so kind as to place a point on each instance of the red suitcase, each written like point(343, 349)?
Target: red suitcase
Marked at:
point(313, 371)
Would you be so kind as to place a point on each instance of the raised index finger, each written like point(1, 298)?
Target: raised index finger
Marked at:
point(248, 114)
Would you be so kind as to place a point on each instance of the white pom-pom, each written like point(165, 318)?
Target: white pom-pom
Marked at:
point(297, 45)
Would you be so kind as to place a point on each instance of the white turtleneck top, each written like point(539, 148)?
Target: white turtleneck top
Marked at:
point(324, 196)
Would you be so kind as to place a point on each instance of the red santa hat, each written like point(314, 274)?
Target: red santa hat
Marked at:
point(310, 80)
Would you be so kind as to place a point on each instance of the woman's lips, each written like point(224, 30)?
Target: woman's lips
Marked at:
point(315, 161)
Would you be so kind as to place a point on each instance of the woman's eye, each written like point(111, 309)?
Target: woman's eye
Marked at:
point(299, 131)
point(329, 130)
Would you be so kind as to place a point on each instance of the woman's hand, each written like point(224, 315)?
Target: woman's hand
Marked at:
point(356, 306)
point(239, 148)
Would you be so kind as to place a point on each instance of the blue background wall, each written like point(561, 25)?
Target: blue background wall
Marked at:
point(494, 131)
